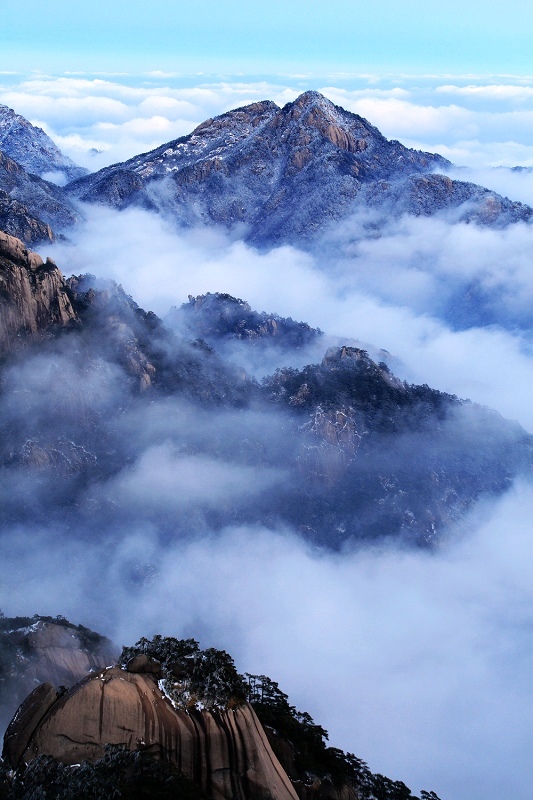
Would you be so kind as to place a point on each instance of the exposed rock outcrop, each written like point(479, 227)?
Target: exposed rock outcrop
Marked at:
point(225, 751)
point(283, 174)
point(34, 297)
point(36, 650)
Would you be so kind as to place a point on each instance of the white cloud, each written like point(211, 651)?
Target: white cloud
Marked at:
point(388, 291)
point(164, 477)
point(418, 662)
point(490, 92)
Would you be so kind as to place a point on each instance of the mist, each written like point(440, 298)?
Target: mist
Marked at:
point(406, 292)
point(414, 660)
point(418, 661)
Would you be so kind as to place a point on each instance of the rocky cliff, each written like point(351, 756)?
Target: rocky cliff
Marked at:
point(37, 649)
point(191, 716)
point(225, 751)
point(282, 175)
point(34, 297)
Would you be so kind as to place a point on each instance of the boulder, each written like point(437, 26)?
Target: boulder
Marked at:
point(225, 751)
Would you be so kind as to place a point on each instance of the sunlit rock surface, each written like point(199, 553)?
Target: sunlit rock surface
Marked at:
point(33, 292)
point(43, 649)
point(225, 751)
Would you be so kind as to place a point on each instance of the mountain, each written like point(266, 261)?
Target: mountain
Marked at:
point(43, 202)
point(235, 737)
point(94, 388)
point(17, 220)
point(282, 175)
point(220, 317)
point(37, 649)
point(32, 148)
point(34, 295)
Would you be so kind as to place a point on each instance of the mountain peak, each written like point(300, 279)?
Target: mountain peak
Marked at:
point(310, 98)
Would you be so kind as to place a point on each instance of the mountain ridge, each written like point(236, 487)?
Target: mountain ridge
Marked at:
point(331, 439)
point(32, 148)
point(280, 175)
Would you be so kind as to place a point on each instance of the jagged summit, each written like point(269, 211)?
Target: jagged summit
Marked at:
point(32, 148)
point(283, 174)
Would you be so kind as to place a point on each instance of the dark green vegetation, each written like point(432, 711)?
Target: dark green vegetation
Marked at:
point(192, 676)
point(120, 775)
point(208, 677)
point(218, 317)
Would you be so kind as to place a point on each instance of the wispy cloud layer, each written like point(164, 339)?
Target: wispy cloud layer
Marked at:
point(401, 292)
point(467, 119)
point(417, 662)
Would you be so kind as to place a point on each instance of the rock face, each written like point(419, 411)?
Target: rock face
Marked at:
point(62, 656)
point(33, 294)
point(32, 148)
point(33, 650)
point(41, 199)
point(226, 752)
point(281, 175)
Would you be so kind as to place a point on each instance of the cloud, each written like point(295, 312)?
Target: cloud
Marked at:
point(418, 662)
point(490, 92)
point(164, 477)
point(117, 110)
point(401, 292)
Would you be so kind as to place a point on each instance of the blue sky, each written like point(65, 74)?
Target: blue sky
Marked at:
point(268, 37)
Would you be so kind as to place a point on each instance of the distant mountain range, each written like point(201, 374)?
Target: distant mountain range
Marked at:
point(272, 175)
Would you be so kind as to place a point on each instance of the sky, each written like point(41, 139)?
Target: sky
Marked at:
point(344, 35)
point(418, 663)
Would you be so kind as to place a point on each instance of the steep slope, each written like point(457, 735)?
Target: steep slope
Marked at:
point(32, 148)
point(43, 200)
point(16, 220)
point(34, 295)
point(225, 751)
point(281, 175)
point(36, 649)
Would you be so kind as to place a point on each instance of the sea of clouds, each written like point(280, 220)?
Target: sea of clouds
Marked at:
point(418, 662)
